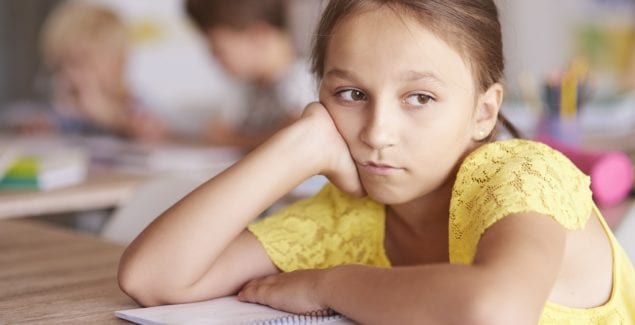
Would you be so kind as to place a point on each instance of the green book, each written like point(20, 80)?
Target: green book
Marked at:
point(45, 170)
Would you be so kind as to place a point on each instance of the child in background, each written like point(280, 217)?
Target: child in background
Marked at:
point(454, 227)
point(250, 39)
point(84, 45)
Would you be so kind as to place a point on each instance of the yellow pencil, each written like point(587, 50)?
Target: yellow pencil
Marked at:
point(569, 94)
point(570, 86)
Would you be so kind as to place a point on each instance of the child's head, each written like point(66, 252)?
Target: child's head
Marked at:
point(412, 86)
point(243, 34)
point(79, 36)
point(471, 27)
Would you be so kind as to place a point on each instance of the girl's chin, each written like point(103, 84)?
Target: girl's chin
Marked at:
point(386, 196)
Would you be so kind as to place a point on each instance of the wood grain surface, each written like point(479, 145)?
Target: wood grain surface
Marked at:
point(50, 275)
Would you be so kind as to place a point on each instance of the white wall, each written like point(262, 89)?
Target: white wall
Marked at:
point(303, 17)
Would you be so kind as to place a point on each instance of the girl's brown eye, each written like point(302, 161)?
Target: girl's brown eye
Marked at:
point(357, 95)
point(351, 95)
point(418, 99)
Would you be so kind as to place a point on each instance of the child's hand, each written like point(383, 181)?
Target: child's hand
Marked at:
point(295, 292)
point(146, 127)
point(81, 88)
point(338, 165)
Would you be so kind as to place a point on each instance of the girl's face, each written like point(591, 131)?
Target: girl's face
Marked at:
point(404, 102)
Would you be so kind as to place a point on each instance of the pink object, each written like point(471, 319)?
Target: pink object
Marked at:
point(611, 172)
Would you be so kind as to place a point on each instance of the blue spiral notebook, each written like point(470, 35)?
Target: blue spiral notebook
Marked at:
point(226, 310)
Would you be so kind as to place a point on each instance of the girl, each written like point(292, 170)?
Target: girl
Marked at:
point(426, 220)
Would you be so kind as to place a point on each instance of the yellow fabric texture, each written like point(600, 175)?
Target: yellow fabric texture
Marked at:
point(329, 229)
point(494, 181)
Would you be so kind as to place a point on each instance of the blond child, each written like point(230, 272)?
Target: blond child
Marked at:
point(85, 46)
point(453, 227)
point(251, 40)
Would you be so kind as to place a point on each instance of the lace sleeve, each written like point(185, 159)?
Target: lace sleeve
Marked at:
point(326, 230)
point(510, 177)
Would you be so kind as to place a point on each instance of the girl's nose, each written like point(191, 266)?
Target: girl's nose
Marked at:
point(380, 129)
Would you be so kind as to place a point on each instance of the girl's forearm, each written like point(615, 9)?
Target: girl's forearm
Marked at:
point(182, 244)
point(428, 294)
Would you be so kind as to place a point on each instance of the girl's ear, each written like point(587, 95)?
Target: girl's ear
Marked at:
point(486, 115)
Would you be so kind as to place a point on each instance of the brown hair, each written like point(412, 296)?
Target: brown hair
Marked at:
point(74, 24)
point(469, 26)
point(237, 13)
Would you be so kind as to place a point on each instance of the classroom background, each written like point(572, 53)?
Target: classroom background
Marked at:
point(172, 72)
point(590, 44)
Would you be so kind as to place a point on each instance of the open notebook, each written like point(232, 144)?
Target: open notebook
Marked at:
point(226, 310)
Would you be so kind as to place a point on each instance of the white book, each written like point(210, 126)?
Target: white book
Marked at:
point(225, 311)
point(62, 168)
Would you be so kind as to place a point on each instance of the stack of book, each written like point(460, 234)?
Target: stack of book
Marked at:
point(23, 168)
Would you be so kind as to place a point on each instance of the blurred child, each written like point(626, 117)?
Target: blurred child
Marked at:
point(250, 38)
point(85, 47)
point(455, 227)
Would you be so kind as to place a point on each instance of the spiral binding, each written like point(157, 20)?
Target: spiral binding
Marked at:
point(313, 317)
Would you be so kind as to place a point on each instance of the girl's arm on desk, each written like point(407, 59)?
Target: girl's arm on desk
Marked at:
point(199, 248)
point(516, 265)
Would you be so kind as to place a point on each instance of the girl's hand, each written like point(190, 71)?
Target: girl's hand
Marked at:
point(337, 164)
point(296, 292)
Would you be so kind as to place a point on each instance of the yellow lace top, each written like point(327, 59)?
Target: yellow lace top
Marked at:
point(496, 180)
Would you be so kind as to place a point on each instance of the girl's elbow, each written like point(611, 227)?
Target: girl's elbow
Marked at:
point(135, 282)
point(148, 291)
point(135, 288)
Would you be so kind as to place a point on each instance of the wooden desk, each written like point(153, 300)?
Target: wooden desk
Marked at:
point(50, 275)
point(101, 190)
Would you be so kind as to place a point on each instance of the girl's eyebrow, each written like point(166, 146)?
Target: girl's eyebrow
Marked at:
point(408, 76)
point(412, 75)
point(340, 73)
